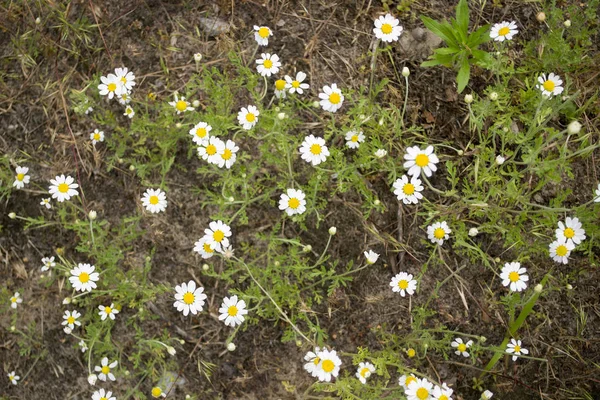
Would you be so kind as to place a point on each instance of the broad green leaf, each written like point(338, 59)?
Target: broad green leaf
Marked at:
point(430, 63)
point(439, 30)
point(480, 36)
point(462, 16)
point(446, 50)
point(463, 75)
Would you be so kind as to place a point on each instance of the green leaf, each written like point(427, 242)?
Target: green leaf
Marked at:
point(462, 16)
point(439, 30)
point(430, 63)
point(463, 75)
point(478, 37)
point(446, 50)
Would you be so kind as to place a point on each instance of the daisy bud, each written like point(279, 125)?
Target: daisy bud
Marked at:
point(405, 72)
point(332, 231)
point(307, 248)
point(362, 117)
point(541, 16)
point(281, 116)
point(468, 98)
point(574, 127)
point(500, 160)
point(127, 373)
point(132, 167)
point(567, 23)
point(92, 378)
point(231, 346)
point(380, 122)
point(316, 104)
point(380, 153)
point(298, 343)
point(171, 350)
point(482, 339)
point(244, 175)
point(505, 129)
point(67, 330)
point(493, 96)
point(205, 267)
point(473, 232)
point(12, 328)
point(12, 215)
point(181, 341)
point(487, 395)
point(38, 21)
point(187, 396)
point(197, 57)
point(377, 202)
point(92, 215)
point(538, 288)
point(178, 125)
point(569, 287)
point(196, 103)
point(277, 263)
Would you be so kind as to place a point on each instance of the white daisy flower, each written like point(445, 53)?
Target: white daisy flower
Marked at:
point(232, 311)
point(211, 149)
point(103, 395)
point(406, 380)
point(107, 312)
point(83, 278)
point(354, 139)
point(21, 178)
point(487, 395)
point(200, 132)
point(124, 98)
point(217, 234)
point(188, 298)
point(248, 117)
point(571, 231)
point(261, 35)
point(442, 393)
point(157, 392)
point(227, 157)
point(63, 188)
point(268, 64)
point(364, 371)
point(329, 366)
point(46, 203)
point(514, 276)
point(550, 85)
point(560, 250)
point(387, 28)
point(70, 319)
point(380, 153)
point(514, 348)
point(82, 346)
point(597, 193)
point(110, 86)
point(16, 299)
point(13, 378)
point(314, 150)
point(371, 256)
point(129, 112)
point(97, 136)
point(461, 347)
point(181, 105)
point(409, 192)
point(292, 202)
point(105, 368)
point(421, 389)
point(155, 200)
point(202, 247)
point(48, 262)
point(331, 98)
point(280, 87)
point(438, 232)
point(403, 283)
point(504, 31)
point(418, 160)
point(296, 85)
point(127, 78)
point(312, 366)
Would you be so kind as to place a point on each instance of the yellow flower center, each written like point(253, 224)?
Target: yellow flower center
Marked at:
point(422, 393)
point(505, 30)
point(105, 370)
point(294, 203)
point(107, 310)
point(153, 200)
point(411, 353)
point(201, 132)
point(181, 105)
point(263, 32)
point(103, 398)
point(403, 284)
point(562, 250)
point(71, 320)
point(386, 28)
point(422, 160)
point(123, 80)
point(408, 189)
point(250, 117)
point(364, 371)
point(443, 397)
point(188, 298)
point(462, 347)
point(20, 177)
point(218, 235)
point(227, 154)
point(111, 87)
point(315, 149)
point(514, 276)
point(96, 136)
point(63, 188)
point(328, 366)
point(295, 84)
point(13, 299)
point(354, 138)
point(280, 84)
point(317, 360)
point(211, 149)
point(128, 110)
point(549, 85)
point(517, 349)
point(569, 233)
point(268, 63)
point(232, 311)
point(207, 248)
point(156, 391)
point(439, 233)
point(334, 98)
point(84, 277)
point(409, 380)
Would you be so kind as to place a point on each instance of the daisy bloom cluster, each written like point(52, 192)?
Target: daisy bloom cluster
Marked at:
point(103, 395)
point(47, 263)
point(504, 31)
point(331, 98)
point(105, 369)
point(97, 136)
point(107, 312)
point(83, 278)
point(13, 377)
point(15, 300)
point(364, 371)
point(323, 364)
point(568, 234)
point(296, 85)
point(21, 177)
point(461, 347)
point(218, 152)
point(232, 311)
point(268, 64)
point(261, 35)
point(248, 117)
point(438, 232)
point(354, 139)
point(408, 190)
point(119, 86)
point(403, 283)
point(418, 160)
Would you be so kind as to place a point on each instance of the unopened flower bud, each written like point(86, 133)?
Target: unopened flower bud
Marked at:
point(231, 199)
point(573, 128)
point(473, 232)
point(307, 248)
point(92, 378)
point(13, 328)
point(196, 103)
point(12, 215)
point(277, 263)
point(92, 215)
point(316, 104)
point(197, 57)
point(38, 21)
point(281, 116)
point(500, 160)
point(468, 98)
point(298, 342)
point(493, 96)
point(332, 231)
point(380, 122)
point(569, 286)
point(132, 167)
point(205, 267)
point(405, 72)
point(231, 346)
point(482, 339)
point(567, 23)
point(497, 259)
point(377, 202)
point(178, 125)
point(541, 16)
point(487, 395)
point(380, 153)
point(538, 288)
point(171, 350)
